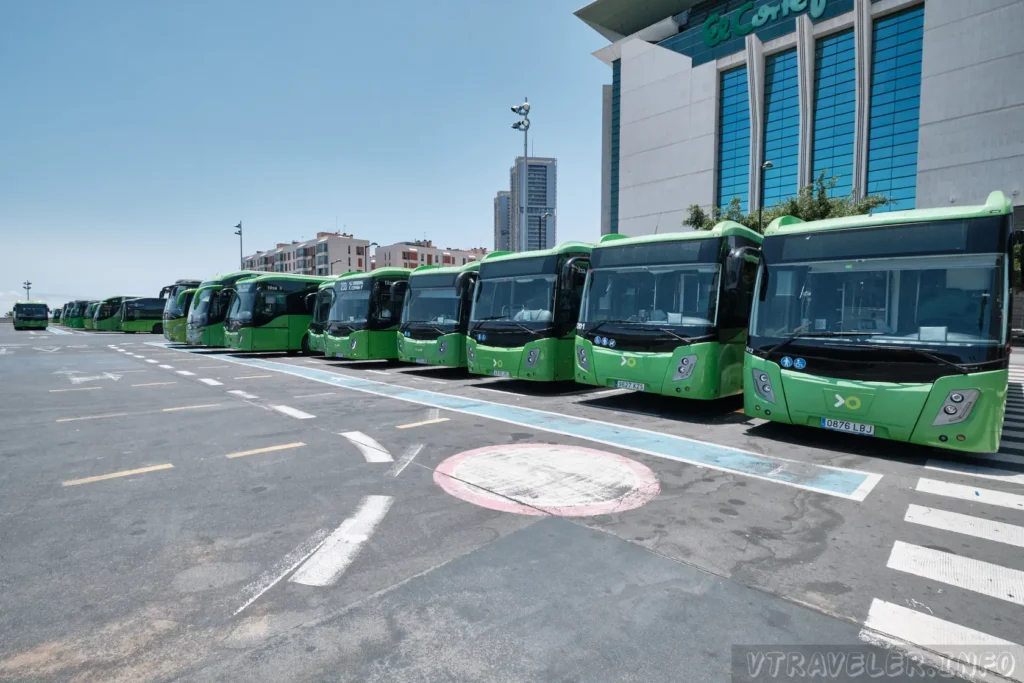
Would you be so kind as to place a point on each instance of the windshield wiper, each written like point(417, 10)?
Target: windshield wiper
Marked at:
point(818, 335)
point(429, 327)
point(962, 369)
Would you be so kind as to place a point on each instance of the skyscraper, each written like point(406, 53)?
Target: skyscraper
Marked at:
point(502, 221)
point(532, 203)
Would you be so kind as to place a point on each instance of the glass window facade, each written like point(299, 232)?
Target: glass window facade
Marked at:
point(835, 103)
point(895, 107)
point(781, 127)
point(734, 138)
point(616, 98)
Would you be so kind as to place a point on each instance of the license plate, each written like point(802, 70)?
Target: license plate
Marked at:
point(421, 361)
point(848, 427)
point(339, 354)
point(502, 373)
point(634, 386)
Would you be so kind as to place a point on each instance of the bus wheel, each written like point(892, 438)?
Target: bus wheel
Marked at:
point(129, 332)
point(305, 346)
point(157, 329)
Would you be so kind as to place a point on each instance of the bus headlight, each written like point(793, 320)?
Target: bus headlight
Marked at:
point(685, 368)
point(469, 353)
point(581, 358)
point(763, 385)
point(531, 357)
point(957, 407)
point(441, 348)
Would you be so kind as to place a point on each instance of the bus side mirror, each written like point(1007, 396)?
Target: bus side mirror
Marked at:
point(398, 289)
point(1017, 256)
point(310, 301)
point(567, 269)
point(734, 263)
point(464, 282)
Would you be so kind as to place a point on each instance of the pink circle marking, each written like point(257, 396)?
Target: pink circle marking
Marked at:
point(643, 488)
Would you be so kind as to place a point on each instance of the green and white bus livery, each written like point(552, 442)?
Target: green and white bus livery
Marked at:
point(668, 314)
point(175, 316)
point(30, 315)
point(322, 301)
point(894, 325)
point(525, 309)
point(76, 314)
point(364, 317)
point(205, 326)
point(142, 315)
point(271, 313)
point(107, 317)
point(435, 315)
point(88, 320)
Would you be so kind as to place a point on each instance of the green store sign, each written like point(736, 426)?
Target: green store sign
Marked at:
point(720, 28)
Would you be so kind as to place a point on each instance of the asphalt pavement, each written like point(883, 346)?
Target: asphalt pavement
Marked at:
point(168, 514)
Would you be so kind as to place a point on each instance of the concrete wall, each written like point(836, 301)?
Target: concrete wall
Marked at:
point(666, 139)
point(972, 102)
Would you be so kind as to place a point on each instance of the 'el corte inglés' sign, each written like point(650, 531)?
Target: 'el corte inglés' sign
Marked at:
point(719, 28)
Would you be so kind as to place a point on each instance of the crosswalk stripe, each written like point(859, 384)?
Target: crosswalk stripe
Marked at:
point(1011, 447)
point(1000, 457)
point(1013, 434)
point(971, 493)
point(975, 471)
point(1000, 532)
point(962, 572)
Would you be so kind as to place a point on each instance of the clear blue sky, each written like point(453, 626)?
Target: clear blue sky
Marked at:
point(134, 135)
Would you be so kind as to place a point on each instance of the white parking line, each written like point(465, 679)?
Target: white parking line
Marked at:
point(325, 393)
point(150, 360)
point(339, 550)
point(186, 373)
point(407, 457)
point(243, 394)
point(971, 493)
point(975, 471)
point(288, 563)
point(211, 382)
point(999, 532)
point(963, 572)
point(368, 446)
point(166, 367)
point(292, 412)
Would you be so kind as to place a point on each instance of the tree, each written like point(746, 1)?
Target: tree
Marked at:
point(812, 203)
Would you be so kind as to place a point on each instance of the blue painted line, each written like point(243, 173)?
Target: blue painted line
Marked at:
point(834, 481)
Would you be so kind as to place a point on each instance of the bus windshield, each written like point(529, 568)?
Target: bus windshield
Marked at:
point(432, 306)
point(655, 296)
point(243, 304)
point(527, 298)
point(209, 307)
point(350, 305)
point(30, 311)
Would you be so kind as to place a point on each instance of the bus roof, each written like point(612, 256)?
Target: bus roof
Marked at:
point(122, 298)
point(723, 229)
point(30, 303)
point(288, 277)
point(470, 267)
point(379, 272)
point(234, 277)
point(997, 204)
point(564, 247)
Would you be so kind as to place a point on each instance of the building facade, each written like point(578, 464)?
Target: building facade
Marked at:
point(533, 202)
point(423, 253)
point(502, 221)
point(918, 100)
point(330, 253)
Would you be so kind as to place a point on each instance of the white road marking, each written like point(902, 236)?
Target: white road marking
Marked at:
point(368, 446)
point(60, 391)
point(410, 454)
point(212, 367)
point(46, 349)
point(326, 393)
point(105, 375)
point(894, 627)
point(211, 382)
point(999, 532)
point(975, 471)
point(203, 405)
point(154, 384)
point(255, 377)
point(340, 548)
point(243, 394)
point(166, 367)
point(379, 372)
point(962, 572)
point(1000, 457)
point(971, 493)
point(434, 413)
point(186, 373)
point(283, 568)
point(293, 412)
point(150, 360)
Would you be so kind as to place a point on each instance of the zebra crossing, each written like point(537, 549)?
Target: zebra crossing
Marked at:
point(975, 504)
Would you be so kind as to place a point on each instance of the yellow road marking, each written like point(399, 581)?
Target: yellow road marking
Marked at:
point(204, 405)
point(154, 384)
point(268, 449)
point(115, 475)
point(421, 424)
point(57, 391)
point(91, 417)
point(254, 377)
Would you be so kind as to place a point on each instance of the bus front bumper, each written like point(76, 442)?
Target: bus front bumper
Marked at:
point(242, 340)
point(448, 350)
point(355, 346)
point(536, 361)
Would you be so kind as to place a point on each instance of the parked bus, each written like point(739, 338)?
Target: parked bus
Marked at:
point(56, 314)
point(363, 321)
point(525, 311)
point(205, 326)
point(271, 313)
point(142, 315)
point(64, 313)
point(174, 316)
point(182, 303)
point(322, 301)
point(76, 313)
point(435, 315)
point(107, 317)
point(668, 314)
point(30, 315)
point(894, 325)
point(88, 322)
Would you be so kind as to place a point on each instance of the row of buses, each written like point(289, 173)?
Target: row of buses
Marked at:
point(114, 314)
point(893, 325)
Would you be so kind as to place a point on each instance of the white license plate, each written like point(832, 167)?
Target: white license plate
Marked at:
point(502, 373)
point(634, 386)
point(339, 354)
point(421, 361)
point(848, 427)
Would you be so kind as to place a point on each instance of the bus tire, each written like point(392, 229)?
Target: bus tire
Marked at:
point(157, 329)
point(306, 351)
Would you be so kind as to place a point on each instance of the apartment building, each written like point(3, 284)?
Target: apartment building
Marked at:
point(423, 253)
point(328, 253)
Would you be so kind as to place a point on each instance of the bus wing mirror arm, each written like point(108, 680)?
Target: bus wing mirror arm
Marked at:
point(463, 282)
point(567, 268)
point(734, 264)
point(398, 289)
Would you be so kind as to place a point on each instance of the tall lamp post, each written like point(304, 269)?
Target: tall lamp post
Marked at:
point(28, 290)
point(333, 262)
point(544, 222)
point(765, 167)
point(241, 257)
point(523, 224)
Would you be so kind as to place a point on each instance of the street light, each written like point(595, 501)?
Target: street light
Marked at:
point(28, 289)
point(332, 264)
point(765, 167)
point(524, 125)
point(543, 222)
point(241, 258)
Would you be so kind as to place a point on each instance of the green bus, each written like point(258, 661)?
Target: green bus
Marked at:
point(668, 314)
point(56, 314)
point(88, 322)
point(30, 315)
point(322, 301)
point(363, 321)
point(271, 313)
point(64, 313)
point(175, 316)
point(182, 303)
point(205, 326)
point(75, 316)
point(143, 315)
point(525, 309)
point(894, 325)
point(107, 317)
point(435, 314)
